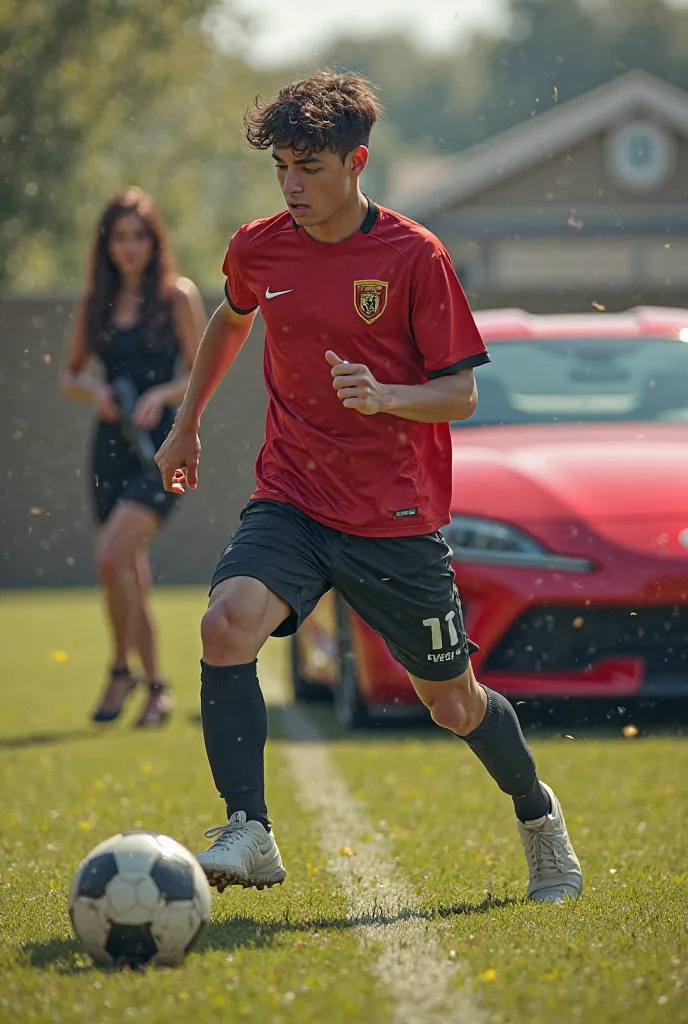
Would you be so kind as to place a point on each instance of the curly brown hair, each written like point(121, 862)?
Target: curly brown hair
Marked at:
point(326, 111)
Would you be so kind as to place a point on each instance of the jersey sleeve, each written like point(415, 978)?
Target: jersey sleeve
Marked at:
point(237, 290)
point(442, 322)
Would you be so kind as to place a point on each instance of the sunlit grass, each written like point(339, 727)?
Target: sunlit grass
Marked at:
point(291, 954)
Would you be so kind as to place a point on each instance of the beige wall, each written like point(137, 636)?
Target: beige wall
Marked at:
point(45, 516)
point(606, 263)
point(579, 178)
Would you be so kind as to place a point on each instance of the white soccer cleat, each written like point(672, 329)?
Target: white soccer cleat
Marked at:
point(555, 874)
point(243, 854)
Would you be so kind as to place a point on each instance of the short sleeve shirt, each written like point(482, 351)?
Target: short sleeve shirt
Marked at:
point(387, 297)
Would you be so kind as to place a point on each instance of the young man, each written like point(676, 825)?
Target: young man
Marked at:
point(369, 353)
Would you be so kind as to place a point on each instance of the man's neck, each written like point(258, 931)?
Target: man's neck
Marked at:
point(343, 225)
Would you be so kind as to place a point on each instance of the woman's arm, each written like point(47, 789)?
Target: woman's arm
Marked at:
point(189, 321)
point(75, 382)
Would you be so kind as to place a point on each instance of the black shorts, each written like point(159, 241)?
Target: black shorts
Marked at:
point(117, 475)
point(402, 587)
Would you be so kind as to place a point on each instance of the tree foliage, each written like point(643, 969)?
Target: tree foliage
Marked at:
point(97, 94)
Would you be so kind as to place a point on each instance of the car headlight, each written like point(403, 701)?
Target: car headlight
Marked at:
point(493, 543)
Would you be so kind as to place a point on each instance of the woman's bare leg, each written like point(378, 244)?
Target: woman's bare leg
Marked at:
point(128, 529)
point(142, 638)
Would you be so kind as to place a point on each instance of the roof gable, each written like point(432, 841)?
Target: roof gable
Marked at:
point(453, 179)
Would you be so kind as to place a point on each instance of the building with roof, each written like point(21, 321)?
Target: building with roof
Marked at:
point(583, 206)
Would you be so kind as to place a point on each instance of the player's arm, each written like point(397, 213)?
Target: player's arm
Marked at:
point(452, 396)
point(441, 400)
point(226, 332)
point(75, 381)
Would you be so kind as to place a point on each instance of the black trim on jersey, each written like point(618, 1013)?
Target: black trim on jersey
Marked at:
point(463, 364)
point(241, 312)
point(370, 218)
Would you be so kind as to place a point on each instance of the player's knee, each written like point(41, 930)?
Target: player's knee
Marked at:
point(227, 633)
point(455, 710)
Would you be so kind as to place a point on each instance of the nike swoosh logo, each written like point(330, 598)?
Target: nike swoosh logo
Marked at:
point(273, 295)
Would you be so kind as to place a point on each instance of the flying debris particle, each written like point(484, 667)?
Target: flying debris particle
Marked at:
point(347, 851)
point(47, 358)
point(568, 737)
point(555, 94)
point(35, 511)
point(612, 871)
point(575, 222)
point(599, 306)
point(578, 622)
point(629, 732)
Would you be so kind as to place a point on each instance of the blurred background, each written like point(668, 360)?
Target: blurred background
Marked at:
point(544, 141)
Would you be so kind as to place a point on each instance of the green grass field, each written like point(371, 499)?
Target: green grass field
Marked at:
point(299, 953)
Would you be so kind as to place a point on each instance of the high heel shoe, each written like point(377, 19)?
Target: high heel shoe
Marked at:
point(121, 685)
point(158, 707)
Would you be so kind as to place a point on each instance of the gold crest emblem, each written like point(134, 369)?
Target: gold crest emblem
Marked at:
point(370, 299)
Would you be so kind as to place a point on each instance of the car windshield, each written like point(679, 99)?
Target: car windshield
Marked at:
point(582, 380)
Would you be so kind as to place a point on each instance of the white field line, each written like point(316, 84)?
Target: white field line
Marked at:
point(411, 962)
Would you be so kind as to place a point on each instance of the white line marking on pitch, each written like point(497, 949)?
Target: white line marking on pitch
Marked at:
point(412, 964)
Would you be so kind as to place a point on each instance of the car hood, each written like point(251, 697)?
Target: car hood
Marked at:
point(601, 474)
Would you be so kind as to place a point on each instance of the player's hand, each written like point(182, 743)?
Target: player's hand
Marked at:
point(105, 404)
point(355, 385)
point(178, 458)
point(148, 410)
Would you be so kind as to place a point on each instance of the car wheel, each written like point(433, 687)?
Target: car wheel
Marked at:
point(350, 711)
point(304, 691)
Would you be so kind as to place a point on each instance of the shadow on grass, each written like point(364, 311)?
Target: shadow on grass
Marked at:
point(243, 932)
point(65, 955)
point(46, 739)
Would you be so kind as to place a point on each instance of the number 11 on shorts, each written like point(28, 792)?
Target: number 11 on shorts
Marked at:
point(435, 625)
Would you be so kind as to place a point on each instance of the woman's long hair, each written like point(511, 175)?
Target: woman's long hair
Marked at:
point(105, 280)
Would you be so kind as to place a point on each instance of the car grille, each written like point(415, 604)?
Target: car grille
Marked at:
point(565, 639)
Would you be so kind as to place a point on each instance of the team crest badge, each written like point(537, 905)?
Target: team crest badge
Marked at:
point(370, 299)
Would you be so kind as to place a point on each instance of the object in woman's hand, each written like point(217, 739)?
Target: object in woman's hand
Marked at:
point(126, 396)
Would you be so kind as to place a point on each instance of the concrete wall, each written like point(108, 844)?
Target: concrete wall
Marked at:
point(46, 527)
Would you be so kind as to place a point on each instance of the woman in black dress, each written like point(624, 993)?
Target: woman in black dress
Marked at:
point(143, 324)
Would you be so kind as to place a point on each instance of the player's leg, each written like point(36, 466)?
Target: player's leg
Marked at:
point(268, 580)
point(408, 595)
point(487, 722)
point(128, 527)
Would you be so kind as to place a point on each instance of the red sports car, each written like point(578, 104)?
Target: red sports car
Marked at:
point(569, 521)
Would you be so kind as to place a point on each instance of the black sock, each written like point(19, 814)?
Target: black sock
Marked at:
point(499, 743)
point(235, 728)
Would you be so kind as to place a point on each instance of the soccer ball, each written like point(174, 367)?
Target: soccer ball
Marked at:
point(139, 898)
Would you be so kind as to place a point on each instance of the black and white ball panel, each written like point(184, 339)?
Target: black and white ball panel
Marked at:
point(137, 898)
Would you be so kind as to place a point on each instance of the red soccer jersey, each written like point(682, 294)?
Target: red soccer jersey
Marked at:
point(387, 297)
